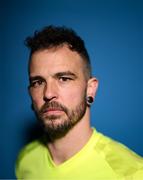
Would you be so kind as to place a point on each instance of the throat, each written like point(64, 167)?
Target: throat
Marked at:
point(63, 149)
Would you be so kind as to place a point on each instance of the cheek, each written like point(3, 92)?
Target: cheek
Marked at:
point(37, 99)
point(74, 96)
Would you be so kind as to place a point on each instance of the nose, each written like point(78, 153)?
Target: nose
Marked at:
point(50, 91)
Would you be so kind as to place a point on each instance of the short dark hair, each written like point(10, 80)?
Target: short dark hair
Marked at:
point(54, 36)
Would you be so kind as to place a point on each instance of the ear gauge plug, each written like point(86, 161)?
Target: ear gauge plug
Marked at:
point(89, 100)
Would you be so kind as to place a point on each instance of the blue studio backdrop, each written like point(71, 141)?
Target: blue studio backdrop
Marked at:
point(113, 34)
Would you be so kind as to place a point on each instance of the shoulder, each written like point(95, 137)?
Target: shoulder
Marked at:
point(29, 148)
point(28, 154)
point(120, 158)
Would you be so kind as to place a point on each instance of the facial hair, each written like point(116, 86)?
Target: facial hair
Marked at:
point(66, 122)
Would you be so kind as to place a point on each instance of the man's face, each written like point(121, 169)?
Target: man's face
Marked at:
point(58, 89)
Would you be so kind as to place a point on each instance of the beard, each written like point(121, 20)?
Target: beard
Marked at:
point(57, 126)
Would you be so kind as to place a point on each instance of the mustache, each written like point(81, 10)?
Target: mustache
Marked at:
point(53, 105)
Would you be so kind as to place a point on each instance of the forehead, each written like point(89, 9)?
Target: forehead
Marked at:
point(55, 60)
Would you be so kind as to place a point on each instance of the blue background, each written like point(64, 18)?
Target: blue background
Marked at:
point(113, 33)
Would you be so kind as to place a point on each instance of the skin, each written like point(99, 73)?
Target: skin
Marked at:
point(57, 75)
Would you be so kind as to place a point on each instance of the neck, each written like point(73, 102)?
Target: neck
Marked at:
point(64, 148)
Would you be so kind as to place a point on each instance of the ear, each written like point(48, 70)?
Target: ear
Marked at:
point(92, 86)
point(29, 91)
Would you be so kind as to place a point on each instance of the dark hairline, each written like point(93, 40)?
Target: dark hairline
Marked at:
point(56, 36)
point(54, 48)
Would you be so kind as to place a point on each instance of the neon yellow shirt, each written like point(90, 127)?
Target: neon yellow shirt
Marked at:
point(100, 159)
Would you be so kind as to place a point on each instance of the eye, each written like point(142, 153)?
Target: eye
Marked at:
point(64, 79)
point(36, 83)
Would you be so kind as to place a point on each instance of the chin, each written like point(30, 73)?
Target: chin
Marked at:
point(56, 129)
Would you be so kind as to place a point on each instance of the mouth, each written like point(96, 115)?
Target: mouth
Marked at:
point(52, 111)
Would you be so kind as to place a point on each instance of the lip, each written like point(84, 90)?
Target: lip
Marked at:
point(53, 111)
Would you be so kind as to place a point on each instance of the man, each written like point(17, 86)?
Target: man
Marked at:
point(62, 90)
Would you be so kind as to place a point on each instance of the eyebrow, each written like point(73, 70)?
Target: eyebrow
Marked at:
point(35, 78)
point(58, 74)
point(65, 73)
